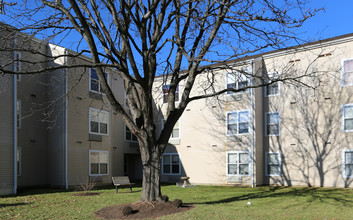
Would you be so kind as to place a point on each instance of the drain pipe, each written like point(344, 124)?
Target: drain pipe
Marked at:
point(66, 114)
point(14, 134)
point(252, 125)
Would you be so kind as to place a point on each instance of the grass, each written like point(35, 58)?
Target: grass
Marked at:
point(212, 202)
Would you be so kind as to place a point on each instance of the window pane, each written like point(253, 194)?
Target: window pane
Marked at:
point(273, 118)
point(348, 124)
point(232, 129)
point(103, 128)
point(175, 133)
point(349, 169)
point(166, 168)
point(349, 157)
point(94, 115)
point(348, 111)
point(232, 158)
point(175, 168)
point(94, 85)
point(232, 168)
point(231, 78)
point(94, 168)
point(244, 169)
point(232, 118)
point(243, 116)
point(94, 157)
point(272, 159)
point(103, 157)
point(230, 86)
point(272, 129)
point(244, 158)
point(273, 169)
point(166, 159)
point(348, 65)
point(134, 138)
point(273, 89)
point(348, 78)
point(94, 74)
point(243, 128)
point(103, 117)
point(175, 158)
point(94, 127)
point(103, 168)
point(242, 84)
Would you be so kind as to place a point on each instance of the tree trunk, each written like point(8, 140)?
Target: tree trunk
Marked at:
point(151, 190)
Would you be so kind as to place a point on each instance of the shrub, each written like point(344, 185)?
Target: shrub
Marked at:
point(165, 198)
point(127, 210)
point(178, 203)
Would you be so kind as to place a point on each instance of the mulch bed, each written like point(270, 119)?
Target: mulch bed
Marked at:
point(142, 210)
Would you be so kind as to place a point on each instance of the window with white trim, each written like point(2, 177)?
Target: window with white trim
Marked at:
point(238, 122)
point(129, 136)
point(98, 163)
point(238, 163)
point(94, 82)
point(171, 164)
point(347, 117)
point(19, 161)
point(347, 72)
point(347, 163)
point(237, 80)
point(273, 123)
point(165, 91)
point(274, 88)
point(176, 130)
point(98, 121)
point(18, 113)
point(273, 164)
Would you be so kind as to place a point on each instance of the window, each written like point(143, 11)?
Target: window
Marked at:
point(165, 90)
point(171, 164)
point(94, 83)
point(347, 72)
point(19, 161)
point(98, 163)
point(18, 113)
point(237, 80)
point(176, 130)
point(273, 164)
point(274, 88)
point(238, 163)
point(347, 117)
point(129, 136)
point(238, 122)
point(98, 121)
point(272, 124)
point(347, 158)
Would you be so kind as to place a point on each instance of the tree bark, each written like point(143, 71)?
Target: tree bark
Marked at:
point(151, 190)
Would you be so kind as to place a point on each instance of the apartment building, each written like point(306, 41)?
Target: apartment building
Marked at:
point(288, 133)
point(58, 129)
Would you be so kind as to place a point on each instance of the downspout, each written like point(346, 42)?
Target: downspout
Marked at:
point(252, 126)
point(66, 109)
point(14, 134)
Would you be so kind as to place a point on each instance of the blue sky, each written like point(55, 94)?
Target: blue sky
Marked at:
point(337, 19)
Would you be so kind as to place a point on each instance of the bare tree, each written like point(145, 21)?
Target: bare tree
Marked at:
point(143, 40)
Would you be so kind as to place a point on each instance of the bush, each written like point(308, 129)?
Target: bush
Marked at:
point(165, 198)
point(127, 210)
point(178, 203)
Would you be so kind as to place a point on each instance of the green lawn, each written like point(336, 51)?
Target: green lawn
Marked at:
point(212, 202)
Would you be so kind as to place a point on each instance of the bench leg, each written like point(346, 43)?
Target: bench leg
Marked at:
point(116, 189)
point(130, 189)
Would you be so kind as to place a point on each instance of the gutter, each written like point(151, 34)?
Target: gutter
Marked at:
point(252, 127)
point(14, 134)
point(66, 119)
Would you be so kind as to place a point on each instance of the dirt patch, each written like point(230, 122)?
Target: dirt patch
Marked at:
point(142, 210)
point(86, 194)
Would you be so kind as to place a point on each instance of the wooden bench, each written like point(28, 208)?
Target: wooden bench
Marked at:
point(121, 181)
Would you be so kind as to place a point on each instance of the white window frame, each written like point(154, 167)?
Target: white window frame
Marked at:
point(125, 130)
point(279, 124)
point(98, 81)
point(177, 92)
point(18, 114)
point(272, 75)
point(238, 167)
point(179, 163)
point(343, 118)
point(19, 161)
point(279, 160)
point(179, 134)
point(238, 76)
point(89, 165)
point(344, 164)
point(89, 122)
point(238, 111)
point(342, 73)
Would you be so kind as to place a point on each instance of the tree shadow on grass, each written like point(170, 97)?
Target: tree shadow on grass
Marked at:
point(325, 195)
point(14, 204)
